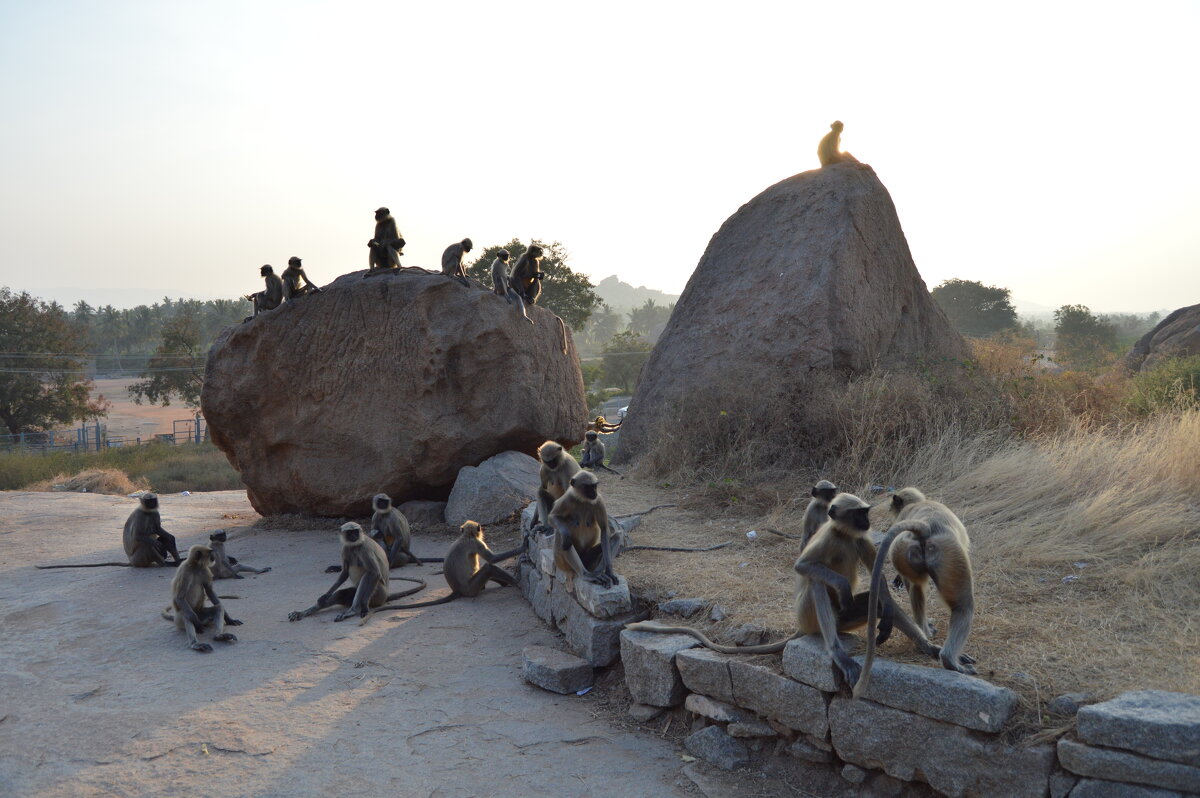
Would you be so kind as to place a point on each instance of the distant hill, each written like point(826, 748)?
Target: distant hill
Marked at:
point(623, 297)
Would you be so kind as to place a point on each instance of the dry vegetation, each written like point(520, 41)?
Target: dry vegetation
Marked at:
point(92, 480)
point(1081, 495)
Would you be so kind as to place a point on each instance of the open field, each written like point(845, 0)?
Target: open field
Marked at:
point(136, 421)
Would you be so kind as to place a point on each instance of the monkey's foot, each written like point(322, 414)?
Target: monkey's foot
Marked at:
point(226, 637)
point(961, 666)
point(930, 629)
point(341, 616)
point(333, 569)
point(232, 622)
point(850, 669)
point(264, 570)
point(966, 658)
point(295, 616)
point(203, 648)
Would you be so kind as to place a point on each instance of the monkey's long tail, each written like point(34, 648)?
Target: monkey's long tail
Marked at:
point(432, 559)
point(618, 473)
point(167, 616)
point(644, 512)
point(434, 603)
point(654, 626)
point(85, 565)
point(676, 548)
point(782, 534)
point(421, 585)
point(919, 528)
point(563, 325)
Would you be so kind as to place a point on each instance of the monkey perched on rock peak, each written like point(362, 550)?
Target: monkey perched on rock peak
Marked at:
point(829, 150)
point(386, 245)
point(526, 275)
point(452, 260)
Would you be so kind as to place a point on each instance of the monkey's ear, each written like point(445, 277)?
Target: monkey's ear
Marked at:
point(897, 502)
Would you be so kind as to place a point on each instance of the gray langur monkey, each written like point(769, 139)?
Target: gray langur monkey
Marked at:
point(927, 542)
point(526, 275)
point(465, 574)
point(583, 532)
point(826, 572)
point(365, 564)
point(501, 286)
point(146, 542)
point(193, 583)
point(817, 512)
point(224, 566)
point(829, 150)
point(594, 453)
point(554, 477)
point(292, 277)
point(387, 246)
point(271, 296)
point(452, 260)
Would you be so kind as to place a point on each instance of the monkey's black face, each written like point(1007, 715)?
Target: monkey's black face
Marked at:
point(897, 503)
point(381, 215)
point(589, 490)
point(150, 502)
point(859, 518)
point(219, 537)
point(382, 504)
point(351, 535)
point(824, 494)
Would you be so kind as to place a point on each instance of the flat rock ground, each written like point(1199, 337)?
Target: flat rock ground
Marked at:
point(100, 696)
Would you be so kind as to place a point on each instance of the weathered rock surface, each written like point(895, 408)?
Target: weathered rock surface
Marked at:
point(713, 745)
point(604, 602)
point(814, 272)
point(650, 672)
point(951, 759)
point(797, 706)
point(716, 710)
point(806, 660)
point(1099, 788)
point(387, 384)
point(706, 672)
point(554, 670)
point(941, 694)
point(1176, 335)
point(493, 490)
point(424, 514)
point(1114, 765)
point(1156, 723)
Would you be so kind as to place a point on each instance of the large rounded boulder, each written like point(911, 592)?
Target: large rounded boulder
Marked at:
point(390, 383)
point(812, 274)
point(1178, 335)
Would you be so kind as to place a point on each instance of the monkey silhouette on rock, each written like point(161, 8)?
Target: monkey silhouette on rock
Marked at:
point(386, 245)
point(829, 150)
point(452, 260)
point(292, 277)
point(271, 296)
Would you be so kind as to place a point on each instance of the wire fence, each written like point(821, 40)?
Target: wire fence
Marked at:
point(94, 437)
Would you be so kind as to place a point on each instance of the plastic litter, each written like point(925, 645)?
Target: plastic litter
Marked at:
point(751, 535)
point(1080, 564)
point(186, 493)
point(1066, 580)
point(584, 691)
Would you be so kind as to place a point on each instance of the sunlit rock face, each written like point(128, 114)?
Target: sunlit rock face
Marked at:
point(1178, 335)
point(813, 273)
point(391, 383)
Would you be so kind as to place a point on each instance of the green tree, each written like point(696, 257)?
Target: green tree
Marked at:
point(176, 370)
point(648, 318)
point(624, 357)
point(564, 292)
point(976, 309)
point(41, 369)
point(1083, 341)
point(601, 326)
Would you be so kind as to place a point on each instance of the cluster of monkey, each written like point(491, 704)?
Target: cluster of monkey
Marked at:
point(927, 542)
point(520, 286)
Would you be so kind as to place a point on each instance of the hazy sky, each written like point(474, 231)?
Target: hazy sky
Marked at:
point(151, 148)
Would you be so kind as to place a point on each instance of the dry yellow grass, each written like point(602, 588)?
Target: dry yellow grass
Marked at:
point(1086, 548)
point(93, 480)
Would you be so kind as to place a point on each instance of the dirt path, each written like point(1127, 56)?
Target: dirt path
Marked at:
point(100, 696)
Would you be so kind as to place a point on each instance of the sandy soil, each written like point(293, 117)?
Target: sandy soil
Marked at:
point(134, 421)
point(100, 696)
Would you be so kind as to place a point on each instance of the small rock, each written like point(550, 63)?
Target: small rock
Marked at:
point(699, 722)
point(803, 749)
point(750, 728)
point(854, 774)
point(715, 710)
point(718, 613)
point(1068, 703)
point(603, 602)
point(748, 634)
point(714, 745)
point(424, 514)
point(684, 607)
point(556, 671)
point(644, 713)
point(706, 672)
point(493, 490)
point(650, 672)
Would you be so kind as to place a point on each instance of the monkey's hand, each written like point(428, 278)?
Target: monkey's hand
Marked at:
point(333, 569)
point(232, 622)
point(225, 637)
point(341, 616)
point(372, 243)
point(203, 648)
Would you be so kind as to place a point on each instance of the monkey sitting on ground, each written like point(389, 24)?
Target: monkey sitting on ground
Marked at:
point(224, 566)
point(464, 572)
point(501, 286)
point(269, 298)
point(583, 543)
point(146, 542)
point(829, 150)
point(192, 583)
point(593, 453)
point(452, 260)
point(365, 564)
point(928, 542)
point(390, 528)
point(826, 572)
point(526, 275)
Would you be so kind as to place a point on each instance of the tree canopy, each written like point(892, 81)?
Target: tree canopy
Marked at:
point(624, 357)
point(176, 370)
point(975, 309)
point(42, 383)
point(565, 293)
point(1083, 340)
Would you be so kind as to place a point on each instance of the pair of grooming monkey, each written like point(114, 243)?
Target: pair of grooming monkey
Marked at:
point(927, 543)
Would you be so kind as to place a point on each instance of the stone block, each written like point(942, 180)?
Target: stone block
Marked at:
point(1061, 783)
point(797, 706)
point(1114, 765)
point(713, 745)
point(941, 694)
point(644, 713)
point(684, 607)
point(805, 750)
point(750, 729)
point(494, 490)
point(534, 588)
point(604, 602)
point(545, 562)
point(597, 641)
point(706, 672)
point(650, 671)
point(529, 515)
point(950, 758)
point(854, 774)
point(555, 670)
point(1097, 788)
point(716, 710)
point(1156, 723)
point(805, 660)
point(1068, 704)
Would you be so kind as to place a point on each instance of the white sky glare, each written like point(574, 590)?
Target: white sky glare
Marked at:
point(151, 148)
